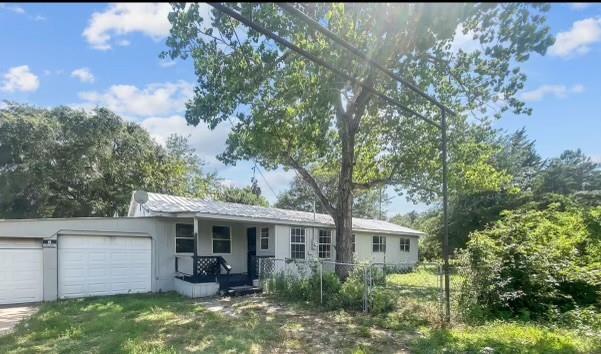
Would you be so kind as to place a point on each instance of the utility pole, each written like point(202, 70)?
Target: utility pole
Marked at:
point(340, 73)
point(445, 212)
point(380, 213)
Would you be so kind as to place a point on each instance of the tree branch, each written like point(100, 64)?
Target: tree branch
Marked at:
point(377, 181)
point(311, 181)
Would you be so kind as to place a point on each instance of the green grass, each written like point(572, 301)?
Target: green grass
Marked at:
point(169, 323)
point(418, 307)
point(505, 337)
point(137, 324)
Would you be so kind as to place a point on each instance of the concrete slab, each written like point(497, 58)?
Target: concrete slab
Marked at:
point(10, 316)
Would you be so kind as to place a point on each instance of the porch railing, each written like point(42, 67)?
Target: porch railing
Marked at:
point(204, 267)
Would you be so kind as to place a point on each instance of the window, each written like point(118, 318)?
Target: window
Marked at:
point(379, 244)
point(353, 238)
point(325, 243)
point(264, 238)
point(184, 238)
point(297, 243)
point(405, 244)
point(222, 241)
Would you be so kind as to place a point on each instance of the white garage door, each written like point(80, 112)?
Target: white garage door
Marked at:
point(103, 265)
point(20, 271)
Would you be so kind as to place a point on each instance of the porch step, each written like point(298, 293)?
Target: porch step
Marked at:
point(227, 281)
point(241, 290)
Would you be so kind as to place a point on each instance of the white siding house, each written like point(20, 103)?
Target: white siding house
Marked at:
point(46, 259)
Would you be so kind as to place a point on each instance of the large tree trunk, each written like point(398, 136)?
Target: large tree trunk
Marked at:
point(344, 208)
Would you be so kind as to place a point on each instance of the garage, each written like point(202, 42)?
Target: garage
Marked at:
point(21, 271)
point(95, 265)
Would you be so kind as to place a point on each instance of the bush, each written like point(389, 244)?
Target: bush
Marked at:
point(533, 261)
point(337, 294)
point(381, 301)
point(351, 293)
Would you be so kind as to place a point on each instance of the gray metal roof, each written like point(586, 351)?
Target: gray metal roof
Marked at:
point(168, 204)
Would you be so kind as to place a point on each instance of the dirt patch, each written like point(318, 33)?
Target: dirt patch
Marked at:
point(10, 316)
point(306, 330)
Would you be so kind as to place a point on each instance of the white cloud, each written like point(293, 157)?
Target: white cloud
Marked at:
point(275, 182)
point(558, 91)
point(17, 9)
point(207, 143)
point(167, 64)
point(121, 19)
point(13, 8)
point(578, 39)
point(20, 78)
point(153, 100)
point(83, 75)
point(580, 5)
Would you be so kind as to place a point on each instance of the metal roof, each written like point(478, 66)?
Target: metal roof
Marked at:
point(159, 204)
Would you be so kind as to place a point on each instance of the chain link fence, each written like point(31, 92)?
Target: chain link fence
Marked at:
point(354, 285)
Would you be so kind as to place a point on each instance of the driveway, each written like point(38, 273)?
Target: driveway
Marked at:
point(11, 315)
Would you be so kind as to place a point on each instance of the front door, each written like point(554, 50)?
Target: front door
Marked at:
point(251, 259)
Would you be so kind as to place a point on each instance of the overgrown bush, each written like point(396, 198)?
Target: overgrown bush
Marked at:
point(381, 300)
point(348, 294)
point(533, 263)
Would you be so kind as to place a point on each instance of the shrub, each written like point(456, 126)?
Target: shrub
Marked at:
point(351, 293)
point(347, 294)
point(534, 261)
point(381, 301)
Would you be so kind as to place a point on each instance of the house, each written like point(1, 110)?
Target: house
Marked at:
point(167, 242)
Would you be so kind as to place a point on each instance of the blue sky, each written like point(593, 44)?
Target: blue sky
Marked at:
point(100, 54)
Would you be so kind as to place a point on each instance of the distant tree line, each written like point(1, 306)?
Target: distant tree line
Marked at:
point(64, 162)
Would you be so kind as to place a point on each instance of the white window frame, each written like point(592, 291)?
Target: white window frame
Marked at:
point(264, 237)
point(354, 240)
point(219, 239)
point(405, 244)
point(304, 243)
point(319, 244)
point(381, 244)
point(183, 237)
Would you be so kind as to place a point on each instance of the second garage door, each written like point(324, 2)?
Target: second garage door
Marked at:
point(103, 265)
point(20, 271)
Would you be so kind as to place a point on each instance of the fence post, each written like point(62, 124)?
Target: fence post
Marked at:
point(260, 270)
point(365, 291)
point(321, 282)
point(442, 291)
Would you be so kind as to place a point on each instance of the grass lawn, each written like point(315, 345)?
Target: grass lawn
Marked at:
point(418, 307)
point(168, 323)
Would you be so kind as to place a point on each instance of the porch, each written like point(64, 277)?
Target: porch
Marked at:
point(224, 259)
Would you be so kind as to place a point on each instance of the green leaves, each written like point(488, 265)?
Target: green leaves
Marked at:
point(537, 260)
point(63, 162)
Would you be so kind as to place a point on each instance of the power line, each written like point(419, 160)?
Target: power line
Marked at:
point(317, 60)
point(333, 36)
point(265, 180)
point(442, 126)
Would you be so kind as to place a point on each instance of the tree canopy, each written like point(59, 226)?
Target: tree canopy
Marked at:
point(290, 112)
point(87, 163)
point(532, 180)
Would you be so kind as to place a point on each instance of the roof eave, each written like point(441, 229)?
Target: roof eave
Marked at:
point(259, 220)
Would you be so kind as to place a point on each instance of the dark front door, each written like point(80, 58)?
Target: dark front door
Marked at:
point(251, 259)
